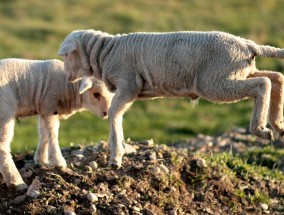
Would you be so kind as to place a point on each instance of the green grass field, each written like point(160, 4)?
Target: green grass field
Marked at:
point(34, 29)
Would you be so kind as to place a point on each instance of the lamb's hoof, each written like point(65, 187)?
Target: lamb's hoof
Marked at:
point(59, 163)
point(281, 134)
point(264, 133)
point(21, 187)
point(115, 164)
point(270, 135)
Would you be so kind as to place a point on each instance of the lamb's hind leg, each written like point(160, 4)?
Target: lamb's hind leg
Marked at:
point(276, 99)
point(234, 90)
point(8, 168)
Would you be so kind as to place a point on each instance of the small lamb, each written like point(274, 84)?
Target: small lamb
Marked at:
point(217, 66)
point(29, 87)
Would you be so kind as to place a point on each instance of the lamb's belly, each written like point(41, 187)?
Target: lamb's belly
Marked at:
point(26, 112)
point(163, 89)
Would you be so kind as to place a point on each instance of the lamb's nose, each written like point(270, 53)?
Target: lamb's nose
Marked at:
point(105, 113)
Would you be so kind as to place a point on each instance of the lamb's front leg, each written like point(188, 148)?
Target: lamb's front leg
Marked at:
point(41, 154)
point(51, 124)
point(8, 168)
point(121, 101)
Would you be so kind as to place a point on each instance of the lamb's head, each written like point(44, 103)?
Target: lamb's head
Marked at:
point(76, 61)
point(96, 97)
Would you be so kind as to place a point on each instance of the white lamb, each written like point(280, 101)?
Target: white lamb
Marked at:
point(41, 88)
point(217, 66)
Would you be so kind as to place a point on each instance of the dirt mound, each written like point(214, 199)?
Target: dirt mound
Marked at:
point(156, 179)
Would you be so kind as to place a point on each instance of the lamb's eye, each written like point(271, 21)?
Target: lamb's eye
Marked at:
point(97, 95)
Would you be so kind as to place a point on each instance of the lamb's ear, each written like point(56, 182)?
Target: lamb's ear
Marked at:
point(67, 47)
point(86, 83)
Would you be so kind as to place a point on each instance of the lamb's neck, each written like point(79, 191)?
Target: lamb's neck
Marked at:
point(97, 46)
point(75, 99)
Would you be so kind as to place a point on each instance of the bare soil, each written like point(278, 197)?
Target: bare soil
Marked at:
point(156, 179)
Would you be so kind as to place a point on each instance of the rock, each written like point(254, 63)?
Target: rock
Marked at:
point(34, 194)
point(93, 165)
point(128, 149)
point(93, 208)
point(19, 199)
point(29, 164)
point(67, 212)
point(77, 164)
point(33, 190)
point(148, 143)
point(77, 181)
point(153, 156)
point(79, 156)
point(57, 186)
point(22, 170)
point(88, 169)
point(27, 174)
point(173, 212)
point(263, 206)
point(51, 209)
point(149, 212)
point(92, 197)
point(201, 163)
point(101, 195)
point(84, 192)
point(136, 208)
point(209, 211)
point(164, 169)
point(115, 188)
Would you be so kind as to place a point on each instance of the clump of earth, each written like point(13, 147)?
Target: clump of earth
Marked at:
point(180, 178)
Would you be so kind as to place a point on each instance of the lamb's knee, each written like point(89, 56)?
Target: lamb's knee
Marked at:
point(279, 80)
point(264, 86)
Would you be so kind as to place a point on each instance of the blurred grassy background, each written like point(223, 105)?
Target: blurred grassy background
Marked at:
point(34, 29)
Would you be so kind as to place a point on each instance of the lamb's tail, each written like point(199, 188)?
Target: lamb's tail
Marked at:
point(264, 50)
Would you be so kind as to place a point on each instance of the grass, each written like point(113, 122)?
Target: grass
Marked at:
point(34, 29)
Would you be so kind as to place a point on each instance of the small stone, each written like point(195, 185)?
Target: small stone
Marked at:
point(148, 142)
point(153, 156)
point(100, 195)
point(164, 169)
point(93, 208)
point(27, 174)
point(266, 212)
point(77, 181)
point(77, 164)
point(79, 156)
point(84, 192)
point(149, 212)
point(88, 169)
point(209, 211)
point(67, 212)
point(115, 188)
point(29, 164)
point(34, 194)
point(23, 170)
point(136, 208)
point(173, 212)
point(201, 163)
point(19, 199)
point(92, 197)
point(129, 149)
point(93, 165)
point(51, 209)
point(264, 206)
